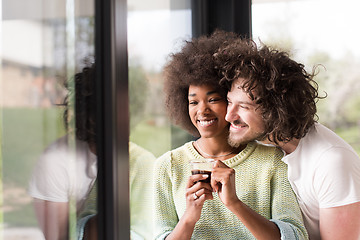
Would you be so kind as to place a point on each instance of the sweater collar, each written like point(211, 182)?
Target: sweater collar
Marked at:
point(231, 162)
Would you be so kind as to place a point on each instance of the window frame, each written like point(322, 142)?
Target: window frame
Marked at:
point(112, 118)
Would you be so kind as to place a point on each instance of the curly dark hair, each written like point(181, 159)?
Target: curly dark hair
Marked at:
point(84, 97)
point(193, 65)
point(285, 91)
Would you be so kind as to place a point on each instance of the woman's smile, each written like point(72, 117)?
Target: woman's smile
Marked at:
point(206, 123)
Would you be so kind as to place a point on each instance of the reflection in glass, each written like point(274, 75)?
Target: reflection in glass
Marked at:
point(325, 36)
point(66, 171)
point(34, 67)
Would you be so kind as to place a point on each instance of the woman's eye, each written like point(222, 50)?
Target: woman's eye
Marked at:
point(214, 99)
point(192, 103)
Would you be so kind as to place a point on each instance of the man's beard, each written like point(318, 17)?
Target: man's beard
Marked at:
point(236, 142)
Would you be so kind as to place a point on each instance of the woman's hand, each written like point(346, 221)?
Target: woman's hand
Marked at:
point(196, 194)
point(223, 182)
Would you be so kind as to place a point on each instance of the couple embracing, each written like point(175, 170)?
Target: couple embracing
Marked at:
point(238, 98)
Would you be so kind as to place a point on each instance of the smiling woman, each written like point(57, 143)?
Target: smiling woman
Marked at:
point(188, 68)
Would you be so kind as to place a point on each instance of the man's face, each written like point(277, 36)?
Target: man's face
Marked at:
point(244, 116)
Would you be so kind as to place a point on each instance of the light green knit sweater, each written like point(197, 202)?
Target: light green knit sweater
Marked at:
point(261, 183)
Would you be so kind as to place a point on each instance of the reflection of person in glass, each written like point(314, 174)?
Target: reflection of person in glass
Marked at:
point(141, 204)
point(67, 171)
point(141, 164)
point(323, 169)
point(253, 197)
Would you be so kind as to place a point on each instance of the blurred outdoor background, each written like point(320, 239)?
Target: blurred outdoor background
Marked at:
point(41, 50)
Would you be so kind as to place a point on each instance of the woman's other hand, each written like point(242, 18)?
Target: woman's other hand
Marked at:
point(197, 193)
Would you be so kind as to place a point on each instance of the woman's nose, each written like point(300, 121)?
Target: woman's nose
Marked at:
point(203, 108)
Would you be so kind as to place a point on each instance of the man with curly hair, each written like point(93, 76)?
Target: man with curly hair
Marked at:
point(323, 169)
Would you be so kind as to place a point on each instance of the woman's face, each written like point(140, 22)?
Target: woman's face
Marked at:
point(207, 110)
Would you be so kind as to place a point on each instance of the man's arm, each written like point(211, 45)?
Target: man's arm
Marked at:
point(340, 222)
point(53, 218)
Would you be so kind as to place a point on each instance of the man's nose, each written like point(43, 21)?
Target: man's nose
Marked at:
point(230, 114)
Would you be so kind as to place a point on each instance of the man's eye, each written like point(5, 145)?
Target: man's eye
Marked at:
point(192, 103)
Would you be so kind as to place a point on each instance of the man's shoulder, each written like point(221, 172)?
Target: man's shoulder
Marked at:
point(321, 139)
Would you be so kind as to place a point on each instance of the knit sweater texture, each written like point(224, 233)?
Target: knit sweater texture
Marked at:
point(261, 183)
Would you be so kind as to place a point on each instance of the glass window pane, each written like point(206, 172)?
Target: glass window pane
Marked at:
point(43, 45)
point(155, 29)
point(320, 32)
point(154, 32)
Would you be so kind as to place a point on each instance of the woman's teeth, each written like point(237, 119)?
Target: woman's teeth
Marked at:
point(206, 123)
